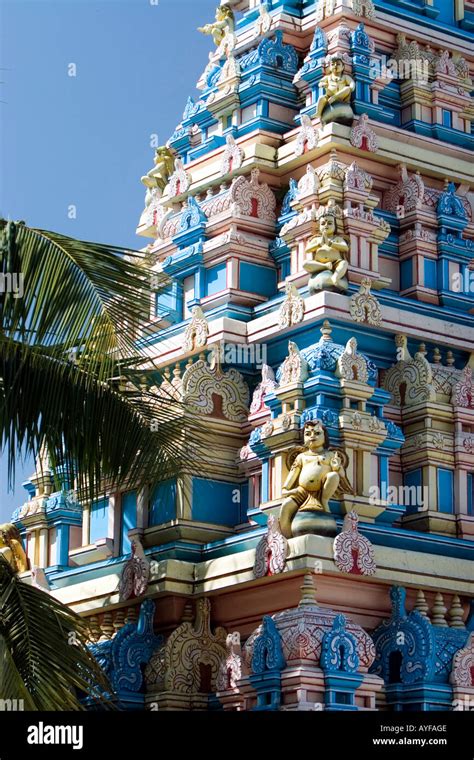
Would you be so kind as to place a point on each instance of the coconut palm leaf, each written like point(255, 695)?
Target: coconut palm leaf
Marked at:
point(44, 657)
point(88, 426)
point(79, 299)
point(72, 329)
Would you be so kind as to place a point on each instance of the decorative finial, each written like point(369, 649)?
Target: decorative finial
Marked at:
point(449, 358)
point(308, 591)
point(438, 612)
point(456, 613)
point(421, 605)
point(436, 356)
point(326, 330)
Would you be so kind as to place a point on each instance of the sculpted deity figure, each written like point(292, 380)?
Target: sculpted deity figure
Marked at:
point(328, 264)
point(334, 104)
point(315, 476)
point(11, 548)
point(161, 172)
point(223, 25)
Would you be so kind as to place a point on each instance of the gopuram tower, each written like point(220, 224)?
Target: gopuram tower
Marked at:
point(313, 215)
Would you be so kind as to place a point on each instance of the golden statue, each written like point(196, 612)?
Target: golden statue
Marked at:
point(223, 25)
point(328, 264)
point(163, 169)
point(11, 548)
point(335, 104)
point(315, 475)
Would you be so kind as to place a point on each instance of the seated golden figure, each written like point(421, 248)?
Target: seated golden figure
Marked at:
point(11, 548)
point(161, 172)
point(328, 265)
point(315, 476)
point(335, 103)
point(224, 24)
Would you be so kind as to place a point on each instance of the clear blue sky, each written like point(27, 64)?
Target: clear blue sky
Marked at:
point(85, 140)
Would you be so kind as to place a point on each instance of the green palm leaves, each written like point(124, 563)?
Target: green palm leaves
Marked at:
point(44, 660)
point(63, 340)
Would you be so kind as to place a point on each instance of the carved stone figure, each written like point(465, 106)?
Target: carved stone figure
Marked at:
point(295, 367)
point(161, 172)
point(196, 332)
point(334, 104)
point(292, 309)
point(328, 265)
point(135, 573)
point(364, 306)
point(315, 476)
point(267, 385)
point(353, 552)
point(271, 551)
point(11, 548)
point(223, 25)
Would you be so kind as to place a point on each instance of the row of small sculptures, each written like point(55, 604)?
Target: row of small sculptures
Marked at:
point(333, 103)
point(336, 87)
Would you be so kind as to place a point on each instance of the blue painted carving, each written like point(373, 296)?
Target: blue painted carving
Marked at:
point(63, 501)
point(121, 657)
point(289, 197)
point(178, 133)
point(267, 664)
point(319, 43)
point(360, 40)
point(267, 652)
point(447, 642)
point(133, 646)
point(213, 75)
point(339, 648)
point(449, 204)
point(277, 245)
point(393, 431)
point(451, 213)
point(273, 53)
point(324, 355)
point(192, 216)
point(410, 636)
point(312, 68)
point(409, 650)
point(190, 108)
point(329, 417)
point(255, 436)
point(361, 48)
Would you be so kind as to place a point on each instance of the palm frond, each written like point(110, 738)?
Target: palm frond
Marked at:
point(77, 298)
point(87, 426)
point(43, 649)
